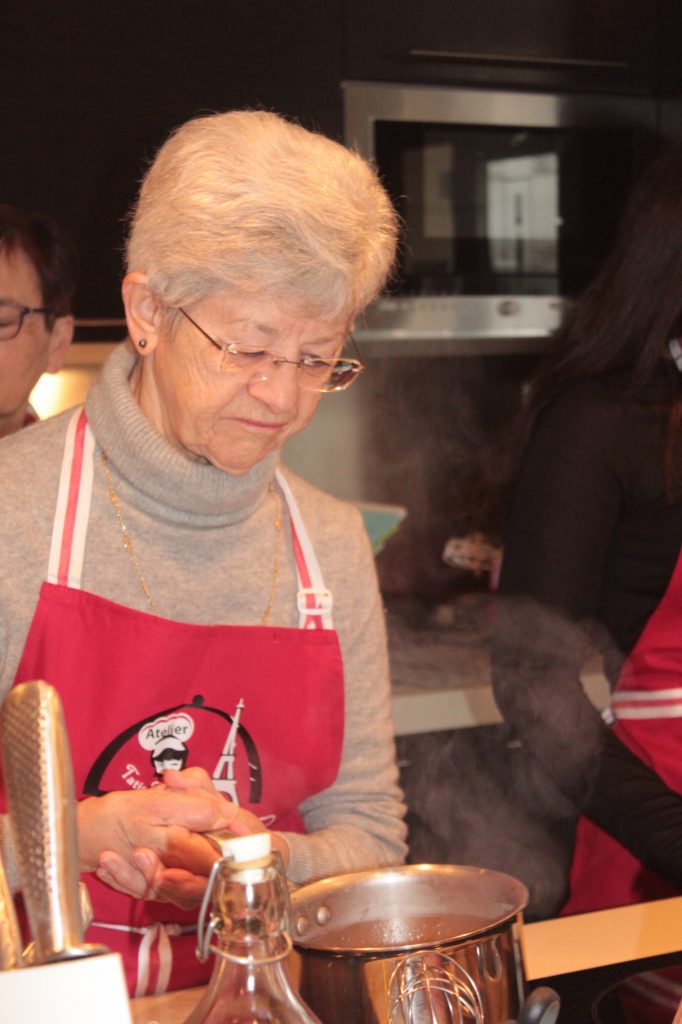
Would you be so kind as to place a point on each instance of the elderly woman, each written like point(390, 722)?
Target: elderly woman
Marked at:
point(211, 622)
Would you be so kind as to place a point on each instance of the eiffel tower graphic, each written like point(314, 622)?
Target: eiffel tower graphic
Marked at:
point(223, 776)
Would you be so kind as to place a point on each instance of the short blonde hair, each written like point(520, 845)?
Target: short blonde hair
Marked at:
point(252, 202)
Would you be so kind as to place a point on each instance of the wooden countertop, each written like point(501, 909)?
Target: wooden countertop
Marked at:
point(171, 1008)
point(550, 948)
point(585, 941)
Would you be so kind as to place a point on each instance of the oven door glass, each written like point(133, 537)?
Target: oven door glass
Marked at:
point(500, 210)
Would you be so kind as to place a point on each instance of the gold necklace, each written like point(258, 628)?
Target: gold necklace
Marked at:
point(128, 544)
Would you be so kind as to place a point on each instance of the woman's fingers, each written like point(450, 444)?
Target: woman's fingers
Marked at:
point(189, 850)
point(130, 838)
point(181, 888)
point(194, 808)
point(148, 879)
point(126, 877)
point(150, 866)
point(189, 778)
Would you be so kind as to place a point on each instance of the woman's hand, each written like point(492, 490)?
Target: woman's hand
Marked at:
point(173, 866)
point(113, 826)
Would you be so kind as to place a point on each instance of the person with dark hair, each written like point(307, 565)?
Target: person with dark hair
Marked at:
point(37, 283)
point(592, 560)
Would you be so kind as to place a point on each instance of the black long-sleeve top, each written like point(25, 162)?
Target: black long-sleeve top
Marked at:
point(589, 549)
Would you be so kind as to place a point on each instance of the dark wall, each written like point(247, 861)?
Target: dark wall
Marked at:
point(90, 90)
point(577, 45)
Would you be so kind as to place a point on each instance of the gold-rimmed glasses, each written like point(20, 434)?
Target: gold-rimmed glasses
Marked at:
point(315, 373)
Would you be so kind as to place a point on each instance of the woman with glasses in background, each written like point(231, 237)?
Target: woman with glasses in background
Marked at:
point(186, 594)
point(37, 281)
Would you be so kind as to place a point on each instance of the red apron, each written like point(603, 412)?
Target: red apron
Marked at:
point(646, 713)
point(261, 708)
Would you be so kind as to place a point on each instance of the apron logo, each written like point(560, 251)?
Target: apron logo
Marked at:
point(223, 776)
point(166, 738)
point(176, 738)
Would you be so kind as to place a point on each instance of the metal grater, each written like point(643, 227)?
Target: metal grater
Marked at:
point(40, 799)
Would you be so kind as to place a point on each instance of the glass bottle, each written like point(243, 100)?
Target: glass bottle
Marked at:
point(244, 922)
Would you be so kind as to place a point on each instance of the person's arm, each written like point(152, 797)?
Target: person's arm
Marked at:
point(631, 802)
point(573, 481)
point(567, 504)
point(566, 507)
point(358, 822)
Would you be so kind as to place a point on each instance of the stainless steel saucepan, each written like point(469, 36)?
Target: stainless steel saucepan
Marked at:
point(415, 945)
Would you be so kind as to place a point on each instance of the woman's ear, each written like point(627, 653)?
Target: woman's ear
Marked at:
point(143, 312)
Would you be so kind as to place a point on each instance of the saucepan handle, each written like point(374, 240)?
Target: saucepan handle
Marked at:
point(541, 1007)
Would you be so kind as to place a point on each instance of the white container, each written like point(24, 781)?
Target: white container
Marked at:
point(79, 991)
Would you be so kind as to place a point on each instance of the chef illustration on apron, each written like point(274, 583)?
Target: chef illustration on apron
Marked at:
point(646, 714)
point(261, 708)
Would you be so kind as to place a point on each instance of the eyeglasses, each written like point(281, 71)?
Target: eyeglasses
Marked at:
point(315, 373)
point(12, 318)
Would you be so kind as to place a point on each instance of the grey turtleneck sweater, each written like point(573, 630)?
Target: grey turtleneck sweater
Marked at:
point(205, 542)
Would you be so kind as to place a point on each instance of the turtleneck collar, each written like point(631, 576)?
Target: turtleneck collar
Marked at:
point(161, 474)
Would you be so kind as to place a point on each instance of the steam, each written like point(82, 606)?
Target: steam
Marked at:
point(427, 432)
point(507, 797)
point(430, 423)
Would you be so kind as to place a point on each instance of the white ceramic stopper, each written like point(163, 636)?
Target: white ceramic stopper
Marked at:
point(248, 848)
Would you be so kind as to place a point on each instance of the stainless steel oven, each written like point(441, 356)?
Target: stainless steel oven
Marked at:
point(509, 203)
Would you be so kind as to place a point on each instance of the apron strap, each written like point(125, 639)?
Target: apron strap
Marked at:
point(65, 565)
point(313, 599)
point(156, 932)
point(160, 933)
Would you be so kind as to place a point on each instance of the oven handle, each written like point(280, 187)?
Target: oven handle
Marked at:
point(503, 58)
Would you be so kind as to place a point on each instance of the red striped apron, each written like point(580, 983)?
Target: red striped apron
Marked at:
point(646, 713)
point(261, 708)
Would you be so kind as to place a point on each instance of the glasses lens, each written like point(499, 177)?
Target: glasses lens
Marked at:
point(340, 374)
point(243, 360)
point(10, 321)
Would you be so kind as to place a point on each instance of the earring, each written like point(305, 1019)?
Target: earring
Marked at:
point(142, 343)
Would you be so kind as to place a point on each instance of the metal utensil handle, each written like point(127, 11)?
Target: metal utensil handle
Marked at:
point(86, 921)
point(10, 935)
point(40, 798)
point(431, 988)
